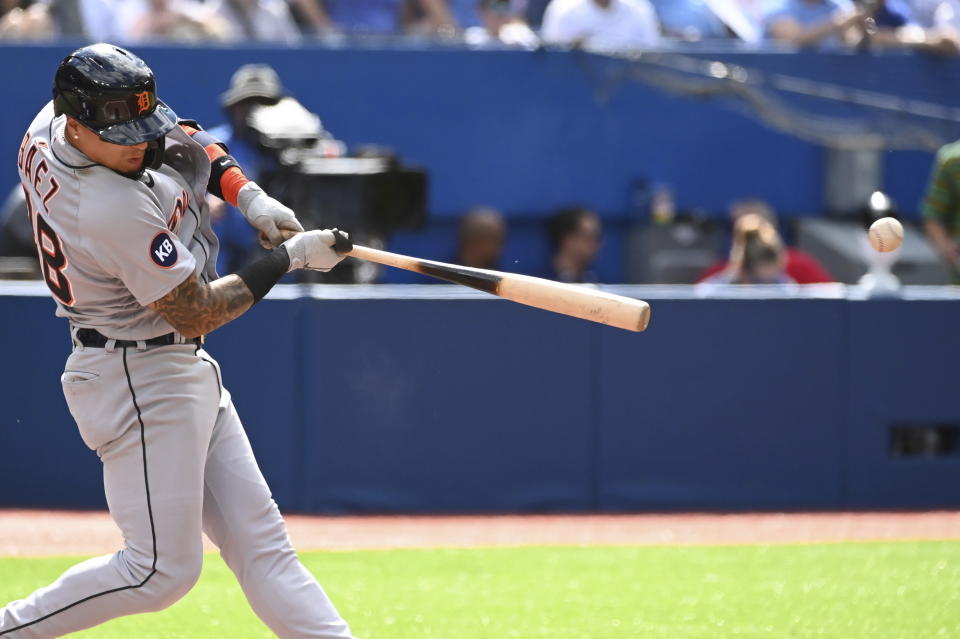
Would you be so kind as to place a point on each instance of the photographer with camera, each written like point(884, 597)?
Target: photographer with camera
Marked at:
point(801, 266)
point(757, 256)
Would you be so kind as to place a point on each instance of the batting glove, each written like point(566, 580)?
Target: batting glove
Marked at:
point(266, 214)
point(317, 250)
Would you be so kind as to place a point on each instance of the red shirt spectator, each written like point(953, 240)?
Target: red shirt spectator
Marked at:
point(802, 267)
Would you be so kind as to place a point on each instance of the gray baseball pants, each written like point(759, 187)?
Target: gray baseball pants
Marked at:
point(176, 463)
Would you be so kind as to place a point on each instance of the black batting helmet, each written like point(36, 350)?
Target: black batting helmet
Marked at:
point(113, 93)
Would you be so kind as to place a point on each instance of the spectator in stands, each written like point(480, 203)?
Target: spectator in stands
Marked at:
point(257, 20)
point(251, 85)
point(940, 20)
point(601, 25)
point(574, 235)
point(46, 19)
point(6, 6)
point(933, 13)
point(893, 24)
point(689, 20)
point(25, 20)
point(941, 208)
point(311, 17)
point(827, 24)
point(832, 23)
point(177, 20)
point(924, 10)
point(936, 13)
point(800, 266)
point(480, 239)
point(892, 14)
point(889, 22)
point(502, 21)
point(745, 18)
point(386, 16)
point(757, 255)
point(85, 19)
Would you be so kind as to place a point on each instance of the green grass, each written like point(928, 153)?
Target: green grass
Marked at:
point(842, 591)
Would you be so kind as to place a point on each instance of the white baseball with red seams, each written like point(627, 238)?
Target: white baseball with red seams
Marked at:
point(176, 460)
point(886, 234)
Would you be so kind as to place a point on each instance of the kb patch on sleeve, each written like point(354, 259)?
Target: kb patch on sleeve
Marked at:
point(163, 251)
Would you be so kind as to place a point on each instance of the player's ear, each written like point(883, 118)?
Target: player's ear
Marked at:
point(73, 127)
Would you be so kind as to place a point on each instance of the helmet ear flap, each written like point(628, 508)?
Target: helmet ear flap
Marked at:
point(153, 157)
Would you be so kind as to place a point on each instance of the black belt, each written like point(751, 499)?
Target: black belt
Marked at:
point(95, 339)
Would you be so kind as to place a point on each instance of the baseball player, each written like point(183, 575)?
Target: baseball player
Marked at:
point(116, 188)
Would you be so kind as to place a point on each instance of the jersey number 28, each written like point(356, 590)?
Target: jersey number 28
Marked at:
point(52, 258)
point(54, 261)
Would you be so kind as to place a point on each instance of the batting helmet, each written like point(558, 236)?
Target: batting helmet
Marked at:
point(113, 93)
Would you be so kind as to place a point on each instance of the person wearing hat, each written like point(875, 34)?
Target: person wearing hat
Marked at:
point(251, 85)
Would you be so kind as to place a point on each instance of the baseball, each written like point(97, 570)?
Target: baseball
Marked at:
point(886, 234)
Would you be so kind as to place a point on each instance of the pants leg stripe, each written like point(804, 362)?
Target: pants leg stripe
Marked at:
point(153, 530)
point(146, 475)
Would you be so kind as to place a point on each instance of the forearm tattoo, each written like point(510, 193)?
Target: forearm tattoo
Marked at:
point(194, 308)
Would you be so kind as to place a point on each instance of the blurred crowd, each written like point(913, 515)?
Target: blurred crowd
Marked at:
point(598, 25)
point(757, 253)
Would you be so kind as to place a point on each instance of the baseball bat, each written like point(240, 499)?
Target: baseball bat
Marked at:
point(566, 299)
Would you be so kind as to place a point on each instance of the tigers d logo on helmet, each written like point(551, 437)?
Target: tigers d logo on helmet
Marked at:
point(143, 101)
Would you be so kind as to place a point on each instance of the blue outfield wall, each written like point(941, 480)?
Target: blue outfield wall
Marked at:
point(530, 131)
point(433, 400)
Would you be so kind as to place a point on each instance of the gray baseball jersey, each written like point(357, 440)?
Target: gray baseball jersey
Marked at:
point(175, 457)
point(109, 250)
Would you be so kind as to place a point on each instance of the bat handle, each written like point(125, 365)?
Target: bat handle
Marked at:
point(342, 243)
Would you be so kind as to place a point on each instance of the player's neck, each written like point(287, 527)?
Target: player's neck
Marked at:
point(73, 142)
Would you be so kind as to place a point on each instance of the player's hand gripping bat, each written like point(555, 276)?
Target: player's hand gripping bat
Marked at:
point(567, 299)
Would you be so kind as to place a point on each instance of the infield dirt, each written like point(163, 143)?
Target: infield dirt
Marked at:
point(34, 533)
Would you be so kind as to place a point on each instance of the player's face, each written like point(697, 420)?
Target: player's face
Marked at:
point(119, 157)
